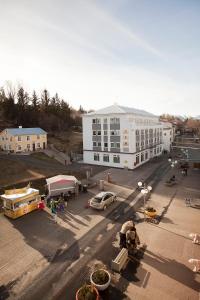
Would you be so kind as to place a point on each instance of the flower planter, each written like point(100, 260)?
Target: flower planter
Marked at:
point(100, 287)
point(78, 297)
point(150, 214)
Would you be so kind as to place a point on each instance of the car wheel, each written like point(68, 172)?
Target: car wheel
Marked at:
point(105, 206)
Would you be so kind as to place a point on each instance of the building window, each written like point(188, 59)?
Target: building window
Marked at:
point(114, 132)
point(137, 159)
point(105, 121)
point(99, 144)
point(146, 155)
point(155, 151)
point(116, 159)
point(96, 121)
point(28, 138)
point(142, 157)
point(105, 132)
point(9, 147)
point(106, 157)
point(115, 145)
point(96, 156)
point(19, 138)
point(28, 146)
point(98, 132)
point(19, 148)
point(38, 137)
point(106, 145)
point(38, 145)
point(2, 138)
point(94, 144)
point(114, 120)
point(94, 132)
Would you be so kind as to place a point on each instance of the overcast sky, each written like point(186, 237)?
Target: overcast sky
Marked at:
point(138, 53)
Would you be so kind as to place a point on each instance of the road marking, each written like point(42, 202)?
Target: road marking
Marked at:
point(87, 249)
point(99, 237)
point(110, 226)
point(75, 262)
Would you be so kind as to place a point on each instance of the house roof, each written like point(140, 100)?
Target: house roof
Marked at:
point(118, 109)
point(25, 131)
point(61, 177)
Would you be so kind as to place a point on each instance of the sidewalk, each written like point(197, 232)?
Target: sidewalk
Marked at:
point(161, 269)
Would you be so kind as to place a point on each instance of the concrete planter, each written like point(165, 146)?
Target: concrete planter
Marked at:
point(78, 297)
point(100, 287)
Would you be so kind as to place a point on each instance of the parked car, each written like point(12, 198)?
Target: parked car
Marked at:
point(103, 200)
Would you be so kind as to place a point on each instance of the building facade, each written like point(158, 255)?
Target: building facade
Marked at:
point(23, 139)
point(168, 135)
point(121, 137)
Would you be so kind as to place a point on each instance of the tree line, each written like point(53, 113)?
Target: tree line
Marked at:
point(51, 113)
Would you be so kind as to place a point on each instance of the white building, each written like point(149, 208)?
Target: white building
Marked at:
point(123, 137)
point(168, 135)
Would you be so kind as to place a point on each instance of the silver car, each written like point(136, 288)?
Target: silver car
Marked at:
point(103, 200)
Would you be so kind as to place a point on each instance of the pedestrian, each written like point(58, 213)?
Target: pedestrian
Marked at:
point(41, 205)
point(53, 211)
point(132, 239)
point(185, 171)
point(122, 234)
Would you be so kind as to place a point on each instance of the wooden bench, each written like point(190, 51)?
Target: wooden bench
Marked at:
point(118, 263)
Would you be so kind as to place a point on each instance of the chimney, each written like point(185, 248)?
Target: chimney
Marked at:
point(20, 126)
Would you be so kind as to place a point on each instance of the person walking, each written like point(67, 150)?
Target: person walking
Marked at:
point(122, 234)
point(41, 205)
point(53, 211)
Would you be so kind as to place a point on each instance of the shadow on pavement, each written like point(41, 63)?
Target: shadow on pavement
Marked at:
point(173, 269)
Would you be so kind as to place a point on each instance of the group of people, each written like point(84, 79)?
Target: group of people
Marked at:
point(56, 204)
point(128, 236)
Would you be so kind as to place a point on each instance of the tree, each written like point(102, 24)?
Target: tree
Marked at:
point(35, 101)
point(45, 99)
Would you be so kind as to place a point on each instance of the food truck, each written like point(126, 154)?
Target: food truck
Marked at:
point(19, 202)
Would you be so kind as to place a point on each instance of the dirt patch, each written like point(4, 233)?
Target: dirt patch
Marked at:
point(67, 142)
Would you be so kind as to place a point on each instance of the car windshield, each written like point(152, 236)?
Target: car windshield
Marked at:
point(97, 199)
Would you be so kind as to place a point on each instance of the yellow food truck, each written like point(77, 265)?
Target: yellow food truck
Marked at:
point(19, 202)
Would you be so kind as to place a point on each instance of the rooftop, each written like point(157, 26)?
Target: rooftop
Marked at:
point(25, 131)
point(118, 109)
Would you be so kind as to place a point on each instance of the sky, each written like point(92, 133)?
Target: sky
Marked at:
point(94, 53)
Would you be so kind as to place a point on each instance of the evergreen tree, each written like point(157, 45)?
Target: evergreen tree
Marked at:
point(45, 99)
point(35, 101)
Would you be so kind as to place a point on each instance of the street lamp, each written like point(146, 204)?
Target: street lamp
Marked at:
point(185, 151)
point(144, 190)
point(172, 162)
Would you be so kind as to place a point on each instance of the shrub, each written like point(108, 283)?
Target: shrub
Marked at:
point(150, 209)
point(100, 277)
point(87, 292)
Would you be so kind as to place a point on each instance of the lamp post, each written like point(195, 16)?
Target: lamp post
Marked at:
point(172, 162)
point(185, 151)
point(144, 190)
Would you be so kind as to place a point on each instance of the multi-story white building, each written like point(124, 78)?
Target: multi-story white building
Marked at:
point(168, 135)
point(123, 137)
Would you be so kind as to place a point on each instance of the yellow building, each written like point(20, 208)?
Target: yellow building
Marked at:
point(23, 139)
